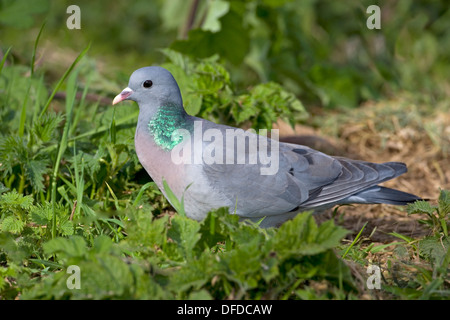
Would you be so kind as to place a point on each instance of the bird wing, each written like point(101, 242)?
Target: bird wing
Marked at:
point(305, 178)
point(299, 174)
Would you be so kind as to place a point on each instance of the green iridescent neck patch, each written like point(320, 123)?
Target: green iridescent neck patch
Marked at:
point(165, 123)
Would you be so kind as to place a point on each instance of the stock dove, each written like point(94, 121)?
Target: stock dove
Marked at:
point(213, 165)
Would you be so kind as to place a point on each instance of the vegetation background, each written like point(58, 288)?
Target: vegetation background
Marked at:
point(72, 191)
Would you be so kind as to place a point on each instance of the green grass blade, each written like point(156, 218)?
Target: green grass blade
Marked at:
point(81, 105)
point(33, 57)
point(79, 181)
point(23, 112)
point(70, 100)
point(2, 63)
point(116, 201)
point(106, 128)
point(63, 78)
point(354, 241)
point(177, 204)
point(141, 192)
point(400, 236)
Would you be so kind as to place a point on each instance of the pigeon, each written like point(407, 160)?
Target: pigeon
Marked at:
point(255, 176)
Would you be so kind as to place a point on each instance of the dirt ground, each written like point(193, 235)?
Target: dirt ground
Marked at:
point(423, 146)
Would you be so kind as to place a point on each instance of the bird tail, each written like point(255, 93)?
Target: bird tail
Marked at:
point(378, 194)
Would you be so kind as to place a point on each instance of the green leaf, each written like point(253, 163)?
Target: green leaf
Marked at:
point(146, 232)
point(74, 246)
point(420, 207)
point(34, 171)
point(243, 265)
point(12, 224)
point(231, 42)
point(102, 244)
point(184, 232)
point(193, 104)
point(216, 9)
point(444, 204)
point(3, 188)
point(200, 295)
point(218, 226)
point(41, 214)
point(66, 228)
point(5, 56)
point(13, 151)
point(301, 236)
point(433, 249)
point(44, 128)
point(11, 200)
point(194, 275)
point(14, 252)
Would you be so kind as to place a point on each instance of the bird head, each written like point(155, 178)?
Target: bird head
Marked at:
point(151, 86)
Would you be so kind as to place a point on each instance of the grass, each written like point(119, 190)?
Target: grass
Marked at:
point(72, 192)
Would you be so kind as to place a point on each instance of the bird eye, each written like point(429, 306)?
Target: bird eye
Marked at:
point(147, 83)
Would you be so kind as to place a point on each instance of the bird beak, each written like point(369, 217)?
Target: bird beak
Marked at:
point(122, 96)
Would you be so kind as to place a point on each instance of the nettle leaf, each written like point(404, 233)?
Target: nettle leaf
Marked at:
point(93, 163)
point(12, 224)
point(13, 151)
point(246, 109)
point(145, 232)
point(211, 77)
point(184, 232)
point(104, 272)
point(434, 248)
point(44, 128)
point(243, 264)
point(194, 274)
point(14, 199)
point(106, 276)
point(199, 81)
point(102, 244)
point(420, 207)
point(11, 248)
point(218, 226)
point(34, 171)
point(66, 227)
point(302, 236)
point(207, 91)
point(42, 214)
point(329, 235)
point(269, 101)
point(74, 246)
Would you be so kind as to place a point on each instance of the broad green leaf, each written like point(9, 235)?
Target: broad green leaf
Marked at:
point(231, 42)
point(216, 9)
point(420, 207)
point(74, 246)
point(301, 236)
point(184, 232)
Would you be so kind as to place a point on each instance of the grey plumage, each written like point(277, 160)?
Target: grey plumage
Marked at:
point(305, 179)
